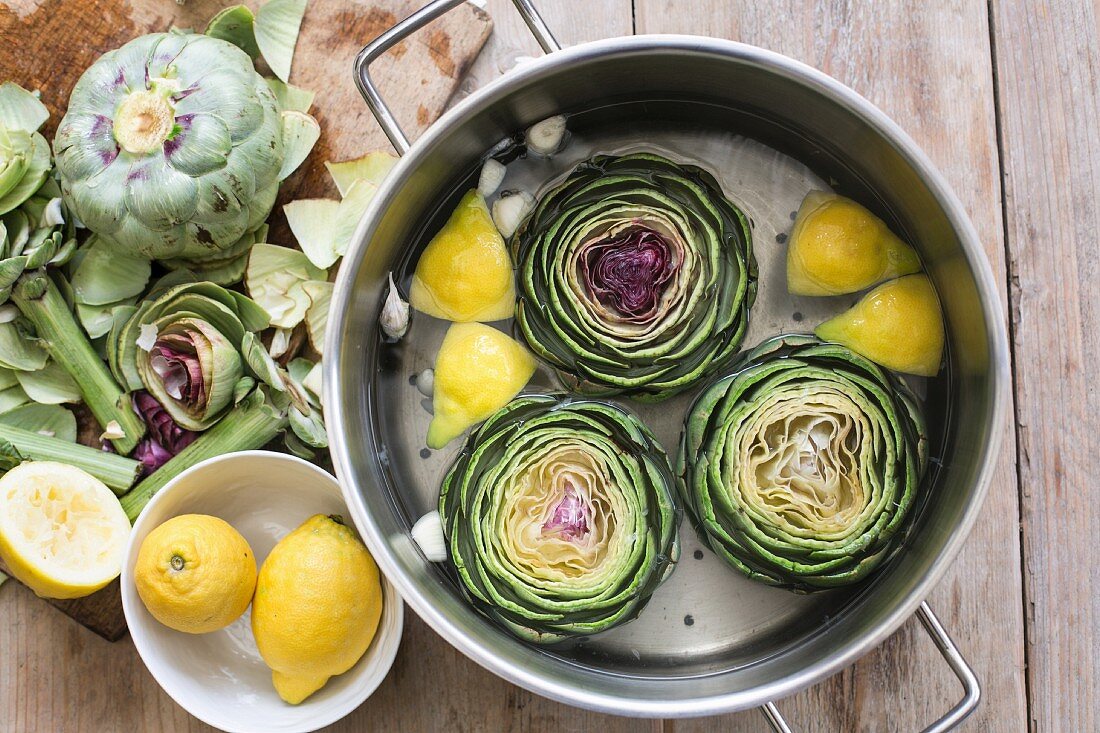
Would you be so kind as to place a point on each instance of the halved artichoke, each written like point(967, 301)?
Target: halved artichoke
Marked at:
point(636, 276)
point(560, 517)
point(800, 467)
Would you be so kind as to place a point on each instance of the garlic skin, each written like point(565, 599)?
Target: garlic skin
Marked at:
point(427, 533)
point(545, 138)
point(510, 210)
point(492, 175)
point(394, 318)
point(280, 342)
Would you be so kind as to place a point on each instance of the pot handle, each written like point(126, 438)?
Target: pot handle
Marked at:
point(407, 27)
point(971, 689)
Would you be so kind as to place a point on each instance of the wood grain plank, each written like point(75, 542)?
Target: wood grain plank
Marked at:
point(928, 66)
point(1048, 77)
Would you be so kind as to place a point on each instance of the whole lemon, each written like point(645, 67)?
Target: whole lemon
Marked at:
point(195, 573)
point(317, 606)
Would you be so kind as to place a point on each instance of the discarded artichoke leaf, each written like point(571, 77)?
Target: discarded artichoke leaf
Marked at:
point(108, 275)
point(12, 397)
point(298, 368)
point(350, 213)
point(8, 379)
point(313, 223)
point(98, 320)
point(314, 380)
point(275, 278)
point(50, 420)
point(300, 134)
point(20, 109)
point(297, 447)
point(320, 296)
point(276, 28)
point(280, 342)
point(373, 167)
point(309, 428)
point(19, 352)
point(290, 98)
point(50, 385)
point(34, 153)
point(236, 25)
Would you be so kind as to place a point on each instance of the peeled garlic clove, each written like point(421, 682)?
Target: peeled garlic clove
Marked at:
point(510, 211)
point(544, 138)
point(427, 533)
point(394, 318)
point(425, 382)
point(492, 175)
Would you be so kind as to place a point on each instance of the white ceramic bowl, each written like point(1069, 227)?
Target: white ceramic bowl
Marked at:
point(219, 677)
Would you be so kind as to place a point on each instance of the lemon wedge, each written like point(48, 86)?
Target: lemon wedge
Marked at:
point(465, 273)
point(62, 532)
point(477, 371)
point(897, 325)
point(838, 247)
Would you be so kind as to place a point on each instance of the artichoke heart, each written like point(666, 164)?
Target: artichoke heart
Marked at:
point(560, 517)
point(837, 246)
point(171, 147)
point(636, 276)
point(800, 467)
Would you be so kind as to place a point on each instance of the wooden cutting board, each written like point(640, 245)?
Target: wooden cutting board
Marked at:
point(47, 44)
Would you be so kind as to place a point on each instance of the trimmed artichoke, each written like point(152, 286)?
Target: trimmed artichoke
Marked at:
point(560, 517)
point(171, 147)
point(636, 276)
point(196, 349)
point(800, 467)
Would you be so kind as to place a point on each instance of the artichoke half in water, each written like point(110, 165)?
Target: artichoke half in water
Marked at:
point(560, 517)
point(172, 147)
point(636, 276)
point(800, 467)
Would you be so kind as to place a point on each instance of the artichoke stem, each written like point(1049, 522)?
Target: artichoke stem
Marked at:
point(39, 300)
point(143, 122)
point(117, 472)
point(252, 424)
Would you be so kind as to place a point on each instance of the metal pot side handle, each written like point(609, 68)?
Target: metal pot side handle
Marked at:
point(407, 27)
point(971, 689)
point(549, 44)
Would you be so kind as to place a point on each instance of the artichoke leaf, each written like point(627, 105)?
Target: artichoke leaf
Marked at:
point(20, 109)
point(373, 167)
point(12, 397)
point(350, 213)
point(50, 385)
point(310, 429)
point(235, 25)
point(320, 297)
point(312, 221)
point(276, 29)
point(290, 97)
point(18, 351)
point(98, 320)
point(37, 152)
point(50, 420)
point(300, 133)
point(107, 275)
point(275, 280)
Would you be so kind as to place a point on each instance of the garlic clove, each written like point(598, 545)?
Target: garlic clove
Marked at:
point(394, 318)
point(545, 138)
point(510, 210)
point(425, 382)
point(427, 533)
point(492, 175)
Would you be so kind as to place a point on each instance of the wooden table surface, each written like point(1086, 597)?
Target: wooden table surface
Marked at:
point(1005, 98)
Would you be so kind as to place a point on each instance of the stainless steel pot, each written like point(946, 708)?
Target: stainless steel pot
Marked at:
point(710, 83)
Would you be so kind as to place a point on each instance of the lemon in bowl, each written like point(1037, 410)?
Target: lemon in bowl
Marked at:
point(220, 677)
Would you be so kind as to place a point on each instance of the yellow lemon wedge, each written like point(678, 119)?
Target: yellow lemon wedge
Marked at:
point(62, 532)
point(465, 273)
point(477, 370)
point(195, 573)
point(317, 606)
point(838, 247)
point(897, 325)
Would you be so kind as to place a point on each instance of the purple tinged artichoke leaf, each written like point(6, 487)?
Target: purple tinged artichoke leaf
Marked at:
point(165, 438)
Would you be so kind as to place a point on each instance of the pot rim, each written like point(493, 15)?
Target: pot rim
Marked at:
point(997, 342)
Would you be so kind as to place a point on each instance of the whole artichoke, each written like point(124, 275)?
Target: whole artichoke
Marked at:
point(560, 517)
point(195, 349)
point(171, 146)
point(800, 467)
point(636, 276)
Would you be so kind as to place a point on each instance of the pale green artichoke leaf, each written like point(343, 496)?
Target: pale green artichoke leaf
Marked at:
point(11, 269)
point(169, 281)
point(235, 25)
point(290, 97)
point(164, 197)
point(351, 211)
point(298, 368)
point(277, 25)
point(85, 145)
point(38, 165)
point(17, 232)
point(12, 397)
point(107, 274)
point(309, 428)
point(320, 296)
point(373, 167)
point(9, 380)
point(243, 388)
point(20, 109)
point(98, 320)
point(300, 133)
point(260, 363)
point(274, 280)
point(50, 385)
point(297, 447)
point(313, 382)
point(253, 316)
point(312, 221)
point(201, 146)
point(50, 420)
point(236, 100)
point(18, 351)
